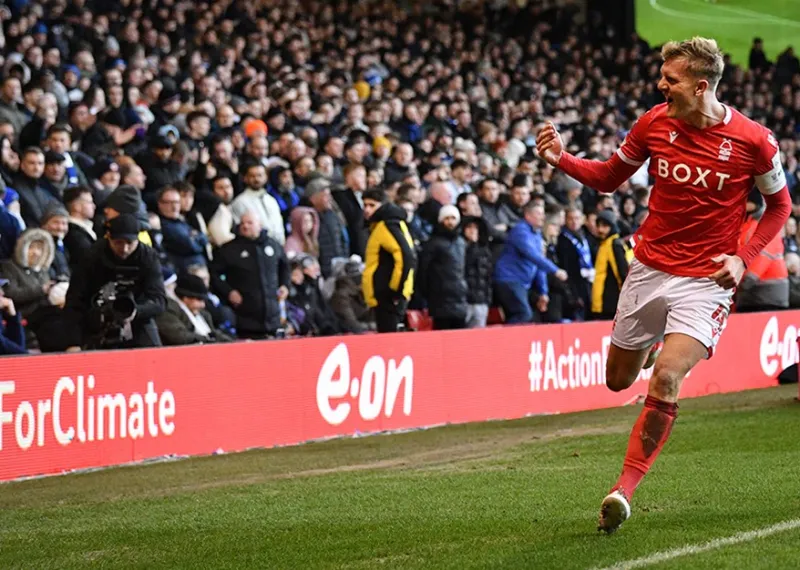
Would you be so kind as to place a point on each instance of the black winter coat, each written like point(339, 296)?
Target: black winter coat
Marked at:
point(332, 242)
point(159, 174)
point(569, 261)
point(78, 242)
point(101, 266)
point(320, 319)
point(354, 215)
point(479, 265)
point(442, 278)
point(33, 199)
point(256, 268)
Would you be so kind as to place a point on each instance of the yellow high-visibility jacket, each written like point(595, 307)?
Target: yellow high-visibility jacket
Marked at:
point(390, 260)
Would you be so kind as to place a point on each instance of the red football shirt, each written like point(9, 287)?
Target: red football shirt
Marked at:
point(703, 177)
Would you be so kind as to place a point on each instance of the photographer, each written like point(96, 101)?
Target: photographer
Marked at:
point(116, 293)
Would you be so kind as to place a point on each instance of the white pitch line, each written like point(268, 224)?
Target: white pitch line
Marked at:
point(745, 17)
point(690, 549)
point(764, 16)
point(698, 17)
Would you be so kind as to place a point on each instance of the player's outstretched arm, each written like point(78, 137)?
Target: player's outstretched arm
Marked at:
point(604, 176)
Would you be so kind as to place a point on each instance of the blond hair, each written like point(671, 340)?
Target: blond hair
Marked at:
point(703, 56)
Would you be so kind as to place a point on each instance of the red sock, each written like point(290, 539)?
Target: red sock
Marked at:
point(650, 433)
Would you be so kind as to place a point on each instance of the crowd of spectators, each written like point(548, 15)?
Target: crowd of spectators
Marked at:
point(251, 141)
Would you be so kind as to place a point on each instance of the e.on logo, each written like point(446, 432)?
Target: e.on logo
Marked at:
point(376, 388)
point(777, 352)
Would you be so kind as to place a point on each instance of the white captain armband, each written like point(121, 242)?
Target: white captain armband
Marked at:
point(774, 180)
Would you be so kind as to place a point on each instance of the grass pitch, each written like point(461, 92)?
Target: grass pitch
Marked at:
point(520, 494)
point(733, 23)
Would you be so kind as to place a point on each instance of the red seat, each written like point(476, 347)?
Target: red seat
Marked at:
point(496, 316)
point(419, 320)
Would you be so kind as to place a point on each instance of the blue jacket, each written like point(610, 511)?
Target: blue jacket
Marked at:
point(9, 232)
point(183, 245)
point(12, 336)
point(523, 260)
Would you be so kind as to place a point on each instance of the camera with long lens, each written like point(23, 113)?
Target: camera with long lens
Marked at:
point(110, 317)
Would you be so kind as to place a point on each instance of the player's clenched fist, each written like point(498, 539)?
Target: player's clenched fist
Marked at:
point(731, 272)
point(549, 144)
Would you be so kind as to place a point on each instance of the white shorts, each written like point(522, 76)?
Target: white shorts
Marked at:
point(653, 304)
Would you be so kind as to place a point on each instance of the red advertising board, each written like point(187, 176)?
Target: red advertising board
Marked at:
point(72, 411)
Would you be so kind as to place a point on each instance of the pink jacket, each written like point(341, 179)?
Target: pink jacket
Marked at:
point(295, 242)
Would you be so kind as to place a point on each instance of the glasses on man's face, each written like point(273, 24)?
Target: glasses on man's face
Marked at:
point(170, 202)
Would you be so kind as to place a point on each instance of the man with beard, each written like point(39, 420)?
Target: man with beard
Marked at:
point(283, 189)
point(255, 198)
point(216, 210)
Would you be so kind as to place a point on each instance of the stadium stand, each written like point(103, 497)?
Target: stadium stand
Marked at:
point(190, 115)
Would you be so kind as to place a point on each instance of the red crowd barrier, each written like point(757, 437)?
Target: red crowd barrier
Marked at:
point(64, 412)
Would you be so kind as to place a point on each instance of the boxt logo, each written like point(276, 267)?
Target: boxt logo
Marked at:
point(375, 389)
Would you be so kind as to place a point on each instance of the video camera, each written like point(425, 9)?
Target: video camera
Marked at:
point(111, 312)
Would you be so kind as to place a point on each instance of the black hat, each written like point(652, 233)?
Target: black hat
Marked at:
point(103, 166)
point(125, 226)
point(609, 218)
point(191, 286)
point(53, 157)
point(161, 141)
point(168, 95)
point(125, 200)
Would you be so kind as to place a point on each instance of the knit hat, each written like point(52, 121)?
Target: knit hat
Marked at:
point(125, 227)
point(315, 186)
point(609, 218)
point(448, 211)
point(254, 126)
point(379, 142)
point(363, 89)
point(161, 141)
point(53, 210)
point(103, 166)
point(191, 286)
point(168, 274)
point(125, 200)
point(167, 96)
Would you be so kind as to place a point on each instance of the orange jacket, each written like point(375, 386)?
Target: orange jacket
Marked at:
point(769, 264)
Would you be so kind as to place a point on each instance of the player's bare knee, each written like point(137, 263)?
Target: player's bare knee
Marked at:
point(666, 381)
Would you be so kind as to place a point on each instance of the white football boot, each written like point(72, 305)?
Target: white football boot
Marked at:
point(614, 511)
